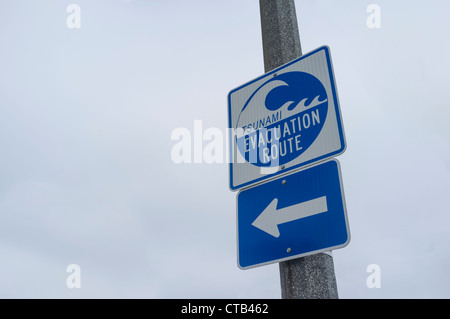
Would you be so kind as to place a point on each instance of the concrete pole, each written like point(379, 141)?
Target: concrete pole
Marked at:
point(281, 39)
point(310, 277)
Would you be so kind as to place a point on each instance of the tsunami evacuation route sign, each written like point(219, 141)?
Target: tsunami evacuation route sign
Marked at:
point(284, 120)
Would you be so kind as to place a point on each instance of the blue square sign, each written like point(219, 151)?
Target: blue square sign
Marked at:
point(293, 216)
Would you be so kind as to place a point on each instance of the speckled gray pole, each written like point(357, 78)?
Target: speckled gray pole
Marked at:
point(310, 277)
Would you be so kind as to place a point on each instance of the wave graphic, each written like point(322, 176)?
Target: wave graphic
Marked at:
point(302, 104)
point(281, 119)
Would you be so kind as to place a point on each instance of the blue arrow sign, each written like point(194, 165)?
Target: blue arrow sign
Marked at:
point(293, 216)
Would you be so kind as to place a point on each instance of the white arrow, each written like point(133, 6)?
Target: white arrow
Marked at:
point(271, 217)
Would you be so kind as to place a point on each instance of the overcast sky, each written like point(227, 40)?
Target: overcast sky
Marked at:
point(87, 114)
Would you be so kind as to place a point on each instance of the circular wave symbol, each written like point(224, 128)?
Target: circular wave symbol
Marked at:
point(281, 119)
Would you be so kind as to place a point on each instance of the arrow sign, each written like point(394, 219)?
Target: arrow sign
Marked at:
point(271, 217)
point(292, 216)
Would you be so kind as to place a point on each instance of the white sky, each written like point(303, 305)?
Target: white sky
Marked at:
point(86, 117)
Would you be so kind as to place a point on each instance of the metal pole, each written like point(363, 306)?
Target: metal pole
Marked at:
point(310, 277)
